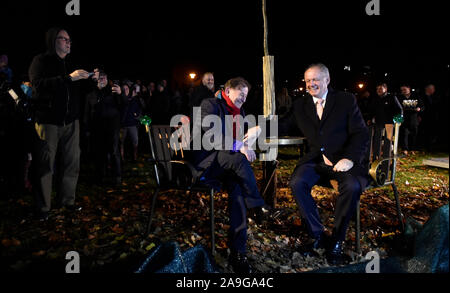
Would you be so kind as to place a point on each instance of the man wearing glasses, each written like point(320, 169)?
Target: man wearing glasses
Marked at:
point(56, 92)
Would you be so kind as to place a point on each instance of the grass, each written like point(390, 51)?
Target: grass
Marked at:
point(109, 231)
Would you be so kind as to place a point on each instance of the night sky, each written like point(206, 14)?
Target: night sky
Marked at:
point(168, 39)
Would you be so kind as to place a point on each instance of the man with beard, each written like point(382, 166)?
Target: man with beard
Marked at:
point(338, 142)
point(203, 91)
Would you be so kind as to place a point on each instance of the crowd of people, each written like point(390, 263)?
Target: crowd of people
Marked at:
point(424, 113)
point(77, 113)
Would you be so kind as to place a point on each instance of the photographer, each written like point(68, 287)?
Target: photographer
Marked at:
point(102, 121)
point(56, 92)
point(131, 111)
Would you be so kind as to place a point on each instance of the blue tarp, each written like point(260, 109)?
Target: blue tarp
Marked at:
point(430, 253)
point(168, 258)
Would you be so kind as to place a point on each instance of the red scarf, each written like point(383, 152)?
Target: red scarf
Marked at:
point(233, 110)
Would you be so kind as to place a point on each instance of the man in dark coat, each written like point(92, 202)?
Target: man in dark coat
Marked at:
point(102, 120)
point(383, 108)
point(226, 157)
point(203, 91)
point(56, 91)
point(412, 105)
point(430, 117)
point(338, 141)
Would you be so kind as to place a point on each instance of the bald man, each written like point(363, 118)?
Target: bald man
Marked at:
point(338, 140)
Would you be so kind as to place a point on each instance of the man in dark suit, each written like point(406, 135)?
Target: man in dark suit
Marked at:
point(204, 91)
point(226, 157)
point(338, 141)
point(383, 108)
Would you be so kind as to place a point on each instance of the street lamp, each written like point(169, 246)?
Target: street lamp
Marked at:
point(360, 85)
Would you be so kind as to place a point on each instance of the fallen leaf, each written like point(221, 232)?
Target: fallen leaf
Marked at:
point(39, 253)
point(117, 229)
point(150, 246)
point(10, 242)
point(117, 219)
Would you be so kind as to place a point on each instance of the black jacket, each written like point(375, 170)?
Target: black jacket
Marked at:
point(383, 109)
point(160, 108)
point(341, 133)
point(410, 115)
point(56, 97)
point(203, 158)
point(102, 107)
point(199, 94)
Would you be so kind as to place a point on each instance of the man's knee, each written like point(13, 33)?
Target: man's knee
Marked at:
point(350, 185)
point(299, 185)
point(234, 160)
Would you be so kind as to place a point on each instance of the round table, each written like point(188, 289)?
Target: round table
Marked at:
point(285, 140)
point(270, 165)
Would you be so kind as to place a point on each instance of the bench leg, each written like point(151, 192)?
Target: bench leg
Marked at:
point(358, 228)
point(211, 210)
point(399, 211)
point(152, 210)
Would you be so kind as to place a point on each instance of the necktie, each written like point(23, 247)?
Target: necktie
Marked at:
point(319, 108)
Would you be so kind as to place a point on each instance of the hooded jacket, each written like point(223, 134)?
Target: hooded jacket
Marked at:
point(56, 97)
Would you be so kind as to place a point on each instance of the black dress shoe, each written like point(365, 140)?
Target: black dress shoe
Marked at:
point(261, 214)
point(239, 263)
point(311, 248)
point(335, 256)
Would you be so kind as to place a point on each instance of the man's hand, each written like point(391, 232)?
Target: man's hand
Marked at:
point(249, 154)
point(343, 165)
point(79, 74)
point(116, 89)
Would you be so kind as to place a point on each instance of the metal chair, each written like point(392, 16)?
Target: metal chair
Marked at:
point(172, 171)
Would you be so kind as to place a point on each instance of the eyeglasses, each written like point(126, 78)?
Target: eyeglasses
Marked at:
point(65, 39)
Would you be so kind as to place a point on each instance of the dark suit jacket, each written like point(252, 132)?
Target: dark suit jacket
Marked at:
point(384, 109)
point(203, 158)
point(341, 133)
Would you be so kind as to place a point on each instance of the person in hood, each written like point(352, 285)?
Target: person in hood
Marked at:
point(56, 94)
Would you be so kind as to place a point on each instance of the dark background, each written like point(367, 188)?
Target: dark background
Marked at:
point(151, 40)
